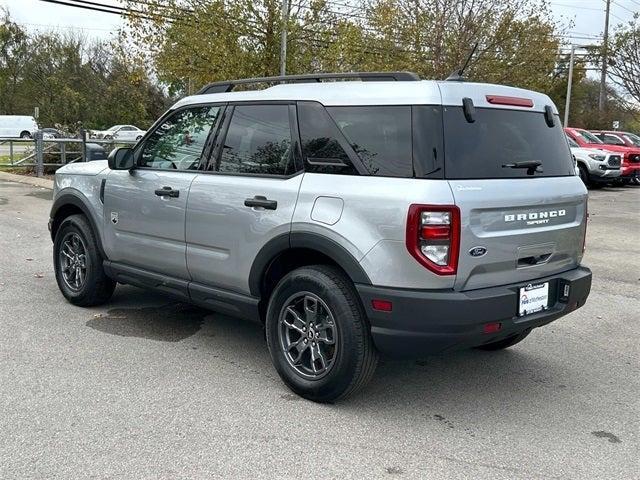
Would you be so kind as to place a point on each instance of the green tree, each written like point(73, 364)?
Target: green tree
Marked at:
point(206, 40)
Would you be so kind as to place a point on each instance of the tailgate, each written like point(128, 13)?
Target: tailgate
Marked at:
point(525, 229)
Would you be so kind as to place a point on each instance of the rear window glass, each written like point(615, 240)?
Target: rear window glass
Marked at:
point(380, 135)
point(499, 137)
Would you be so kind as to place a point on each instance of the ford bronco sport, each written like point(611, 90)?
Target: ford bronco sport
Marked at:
point(352, 218)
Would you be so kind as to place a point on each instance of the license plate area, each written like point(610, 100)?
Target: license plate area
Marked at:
point(533, 298)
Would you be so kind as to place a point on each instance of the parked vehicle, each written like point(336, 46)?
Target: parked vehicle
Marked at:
point(595, 167)
point(627, 139)
point(119, 132)
point(630, 168)
point(17, 126)
point(49, 133)
point(393, 215)
point(94, 152)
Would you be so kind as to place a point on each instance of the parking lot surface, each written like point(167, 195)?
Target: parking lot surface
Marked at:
point(144, 387)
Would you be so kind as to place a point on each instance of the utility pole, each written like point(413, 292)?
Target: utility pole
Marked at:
point(283, 37)
point(605, 59)
point(567, 104)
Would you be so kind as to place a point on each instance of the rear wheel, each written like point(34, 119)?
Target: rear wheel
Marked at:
point(318, 335)
point(506, 343)
point(25, 135)
point(78, 264)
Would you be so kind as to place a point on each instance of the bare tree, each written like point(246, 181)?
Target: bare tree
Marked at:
point(625, 58)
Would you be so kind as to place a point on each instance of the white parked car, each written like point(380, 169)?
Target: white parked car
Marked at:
point(119, 132)
point(17, 126)
point(595, 166)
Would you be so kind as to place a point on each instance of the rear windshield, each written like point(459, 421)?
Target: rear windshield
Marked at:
point(500, 137)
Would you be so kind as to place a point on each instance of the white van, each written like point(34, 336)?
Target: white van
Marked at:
point(17, 126)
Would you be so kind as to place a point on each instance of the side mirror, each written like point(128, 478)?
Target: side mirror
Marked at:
point(121, 159)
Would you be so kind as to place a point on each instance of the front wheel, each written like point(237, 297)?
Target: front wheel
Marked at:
point(78, 264)
point(584, 175)
point(318, 334)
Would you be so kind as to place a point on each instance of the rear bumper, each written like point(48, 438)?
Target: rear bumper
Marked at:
point(426, 321)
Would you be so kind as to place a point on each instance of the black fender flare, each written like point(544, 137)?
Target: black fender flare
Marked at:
point(312, 241)
point(81, 203)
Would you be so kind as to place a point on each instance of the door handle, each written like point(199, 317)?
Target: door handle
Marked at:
point(261, 201)
point(167, 192)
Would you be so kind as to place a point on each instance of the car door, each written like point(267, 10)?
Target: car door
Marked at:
point(144, 209)
point(246, 198)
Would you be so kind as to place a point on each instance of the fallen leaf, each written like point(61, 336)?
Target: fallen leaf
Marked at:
point(38, 275)
point(29, 259)
point(599, 317)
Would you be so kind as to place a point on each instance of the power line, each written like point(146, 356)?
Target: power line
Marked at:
point(623, 7)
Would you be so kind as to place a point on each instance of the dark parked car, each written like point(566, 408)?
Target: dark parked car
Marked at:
point(50, 132)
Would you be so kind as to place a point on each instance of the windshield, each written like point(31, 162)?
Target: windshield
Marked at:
point(572, 142)
point(588, 137)
point(500, 138)
point(115, 127)
point(635, 139)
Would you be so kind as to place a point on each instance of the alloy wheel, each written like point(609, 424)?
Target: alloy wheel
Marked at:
point(308, 335)
point(73, 261)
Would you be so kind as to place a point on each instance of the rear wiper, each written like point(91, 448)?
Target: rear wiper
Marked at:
point(530, 165)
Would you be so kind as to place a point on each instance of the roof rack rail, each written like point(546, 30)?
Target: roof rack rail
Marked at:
point(227, 86)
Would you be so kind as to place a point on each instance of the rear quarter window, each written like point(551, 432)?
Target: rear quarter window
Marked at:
point(479, 150)
point(380, 136)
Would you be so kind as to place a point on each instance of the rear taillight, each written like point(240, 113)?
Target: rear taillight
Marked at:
point(433, 237)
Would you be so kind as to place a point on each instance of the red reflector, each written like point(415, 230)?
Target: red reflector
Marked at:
point(492, 327)
point(382, 305)
point(513, 101)
point(439, 232)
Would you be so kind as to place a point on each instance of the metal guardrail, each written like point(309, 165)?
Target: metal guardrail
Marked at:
point(40, 152)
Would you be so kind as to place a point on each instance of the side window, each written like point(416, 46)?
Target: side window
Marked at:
point(612, 140)
point(322, 142)
point(179, 141)
point(381, 136)
point(258, 141)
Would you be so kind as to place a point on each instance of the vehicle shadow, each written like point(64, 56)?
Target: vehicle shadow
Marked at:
point(462, 379)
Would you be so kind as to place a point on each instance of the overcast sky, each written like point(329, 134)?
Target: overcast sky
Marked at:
point(587, 16)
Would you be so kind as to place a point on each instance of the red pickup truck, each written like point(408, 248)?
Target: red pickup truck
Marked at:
point(630, 169)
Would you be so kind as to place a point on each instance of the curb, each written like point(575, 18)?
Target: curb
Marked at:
point(35, 181)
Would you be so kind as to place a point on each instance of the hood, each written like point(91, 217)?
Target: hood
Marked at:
point(587, 151)
point(84, 168)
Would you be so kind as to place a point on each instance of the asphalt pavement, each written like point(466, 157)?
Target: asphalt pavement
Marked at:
point(147, 388)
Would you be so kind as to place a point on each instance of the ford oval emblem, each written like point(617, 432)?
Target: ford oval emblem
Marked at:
point(477, 251)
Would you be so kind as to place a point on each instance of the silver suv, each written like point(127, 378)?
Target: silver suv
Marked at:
point(352, 218)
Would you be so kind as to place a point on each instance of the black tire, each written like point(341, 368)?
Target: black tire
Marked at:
point(584, 175)
point(506, 343)
point(95, 288)
point(25, 135)
point(138, 138)
point(354, 357)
